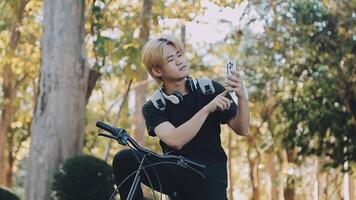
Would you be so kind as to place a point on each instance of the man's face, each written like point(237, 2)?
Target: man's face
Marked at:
point(175, 65)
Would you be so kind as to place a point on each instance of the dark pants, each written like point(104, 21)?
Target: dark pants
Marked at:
point(175, 181)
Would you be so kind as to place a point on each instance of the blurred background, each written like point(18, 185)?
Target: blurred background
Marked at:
point(66, 64)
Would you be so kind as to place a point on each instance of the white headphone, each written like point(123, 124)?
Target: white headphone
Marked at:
point(176, 97)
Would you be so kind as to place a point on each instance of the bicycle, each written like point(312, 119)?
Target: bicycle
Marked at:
point(121, 136)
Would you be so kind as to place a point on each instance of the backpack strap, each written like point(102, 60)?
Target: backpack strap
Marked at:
point(206, 86)
point(158, 100)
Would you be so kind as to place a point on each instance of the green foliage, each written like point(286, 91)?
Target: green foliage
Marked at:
point(113, 33)
point(7, 195)
point(83, 177)
point(322, 120)
point(306, 53)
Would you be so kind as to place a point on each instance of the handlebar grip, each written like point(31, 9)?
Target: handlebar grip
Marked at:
point(104, 126)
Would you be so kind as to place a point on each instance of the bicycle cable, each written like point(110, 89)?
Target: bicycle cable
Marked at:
point(154, 171)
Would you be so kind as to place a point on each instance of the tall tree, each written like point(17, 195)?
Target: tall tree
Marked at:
point(10, 86)
point(141, 91)
point(58, 124)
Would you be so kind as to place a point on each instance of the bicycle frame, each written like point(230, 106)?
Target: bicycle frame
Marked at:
point(121, 136)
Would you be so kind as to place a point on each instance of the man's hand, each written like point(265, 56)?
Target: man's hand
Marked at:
point(234, 84)
point(220, 102)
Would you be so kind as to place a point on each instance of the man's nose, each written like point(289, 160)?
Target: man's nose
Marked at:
point(178, 62)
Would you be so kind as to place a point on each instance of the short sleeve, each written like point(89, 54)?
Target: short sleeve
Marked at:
point(225, 116)
point(153, 117)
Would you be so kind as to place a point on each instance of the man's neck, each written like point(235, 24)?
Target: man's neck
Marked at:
point(179, 86)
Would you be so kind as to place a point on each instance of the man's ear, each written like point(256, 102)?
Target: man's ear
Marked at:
point(157, 71)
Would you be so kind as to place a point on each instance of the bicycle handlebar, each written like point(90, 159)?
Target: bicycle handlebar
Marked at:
point(104, 126)
point(121, 136)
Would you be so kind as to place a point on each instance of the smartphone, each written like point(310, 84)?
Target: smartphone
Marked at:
point(230, 66)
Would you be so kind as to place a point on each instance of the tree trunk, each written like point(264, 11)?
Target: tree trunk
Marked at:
point(271, 167)
point(254, 177)
point(11, 161)
point(94, 75)
point(327, 185)
point(352, 188)
point(183, 31)
point(289, 191)
point(58, 125)
point(273, 186)
point(316, 179)
point(346, 185)
point(139, 128)
point(6, 119)
point(9, 87)
point(116, 120)
point(338, 185)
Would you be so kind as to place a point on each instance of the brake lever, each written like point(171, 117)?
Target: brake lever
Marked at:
point(107, 135)
point(120, 141)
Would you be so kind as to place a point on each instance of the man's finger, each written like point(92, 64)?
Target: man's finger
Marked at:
point(226, 100)
point(222, 103)
point(224, 93)
point(237, 73)
point(233, 78)
point(220, 106)
point(232, 83)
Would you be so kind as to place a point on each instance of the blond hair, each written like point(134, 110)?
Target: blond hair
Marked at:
point(152, 52)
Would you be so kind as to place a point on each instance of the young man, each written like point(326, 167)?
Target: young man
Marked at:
point(186, 118)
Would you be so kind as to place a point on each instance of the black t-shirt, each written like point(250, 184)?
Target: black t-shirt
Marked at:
point(206, 145)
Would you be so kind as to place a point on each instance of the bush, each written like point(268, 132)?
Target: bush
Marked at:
point(7, 195)
point(83, 178)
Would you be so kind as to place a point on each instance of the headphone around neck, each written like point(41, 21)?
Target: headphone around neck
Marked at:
point(176, 97)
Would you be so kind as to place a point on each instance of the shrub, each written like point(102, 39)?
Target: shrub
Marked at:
point(7, 195)
point(83, 178)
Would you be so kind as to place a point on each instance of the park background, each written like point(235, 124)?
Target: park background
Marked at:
point(66, 64)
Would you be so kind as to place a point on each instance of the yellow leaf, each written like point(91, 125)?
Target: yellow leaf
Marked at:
point(126, 46)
